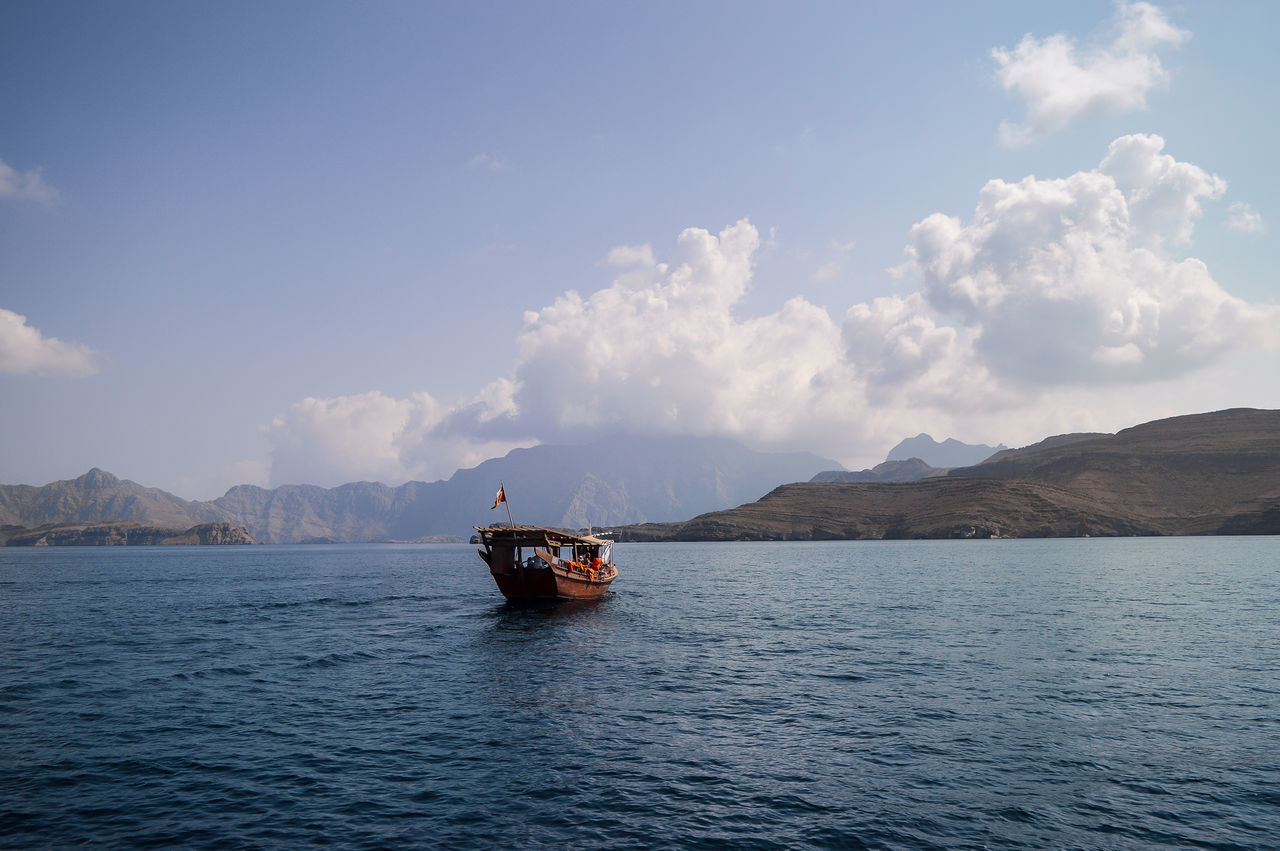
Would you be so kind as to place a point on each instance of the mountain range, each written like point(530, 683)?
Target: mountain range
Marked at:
point(608, 482)
point(1201, 474)
point(948, 453)
point(1215, 473)
point(915, 458)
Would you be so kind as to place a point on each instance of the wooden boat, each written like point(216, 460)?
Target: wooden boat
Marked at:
point(536, 563)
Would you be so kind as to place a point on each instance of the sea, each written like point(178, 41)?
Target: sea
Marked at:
point(1085, 693)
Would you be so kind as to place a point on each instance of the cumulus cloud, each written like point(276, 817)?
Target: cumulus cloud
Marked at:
point(26, 185)
point(901, 354)
point(1053, 291)
point(24, 350)
point(1066, 280)
point(1162, 195)
point(1059, 82)
point(1244, 218)
point(661, 350)
point(372, 436)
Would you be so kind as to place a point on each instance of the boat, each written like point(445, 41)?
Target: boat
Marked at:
point(537, 563)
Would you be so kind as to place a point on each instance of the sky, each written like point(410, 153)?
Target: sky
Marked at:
point(319, 242)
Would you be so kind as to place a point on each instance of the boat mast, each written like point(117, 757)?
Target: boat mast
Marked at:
point(502, 488)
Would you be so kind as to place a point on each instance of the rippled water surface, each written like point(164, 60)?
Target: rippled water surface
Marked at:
point(1080, 693)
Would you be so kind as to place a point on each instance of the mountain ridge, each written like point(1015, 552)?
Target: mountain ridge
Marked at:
point(621, 480)
point(949, 453)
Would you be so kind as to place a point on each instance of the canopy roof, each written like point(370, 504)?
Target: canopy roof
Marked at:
point(525, 536)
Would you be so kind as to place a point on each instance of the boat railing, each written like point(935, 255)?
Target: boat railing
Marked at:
point(587, 571)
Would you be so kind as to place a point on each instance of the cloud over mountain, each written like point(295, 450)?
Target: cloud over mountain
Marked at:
point(1053, 288)
point(1059, 82)
point(373, 436)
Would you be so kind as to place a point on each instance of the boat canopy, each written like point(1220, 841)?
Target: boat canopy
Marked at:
point(532, 536)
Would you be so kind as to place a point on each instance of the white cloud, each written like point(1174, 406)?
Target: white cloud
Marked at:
point(1056, 307)
point(899, 351)
point(1162, 195)
point(1065, 281)
point(1059, 83)
point(1244, 218)
point(24, 350)
point(26, 185)
point(372, 436)
point(625, 256)
point(660, 350)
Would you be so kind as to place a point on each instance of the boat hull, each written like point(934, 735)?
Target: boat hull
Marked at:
point(545, 583)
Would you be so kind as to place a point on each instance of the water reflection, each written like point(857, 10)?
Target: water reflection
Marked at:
point(543, 661)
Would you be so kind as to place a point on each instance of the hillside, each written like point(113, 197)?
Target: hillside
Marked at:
point(1215, 473)
point(930, 508)
point(1189, 473)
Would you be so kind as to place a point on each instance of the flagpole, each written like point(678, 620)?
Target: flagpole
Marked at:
point(503, 487)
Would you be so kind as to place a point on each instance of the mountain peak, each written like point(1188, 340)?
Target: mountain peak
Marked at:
point(948, 453)
point(97, 478)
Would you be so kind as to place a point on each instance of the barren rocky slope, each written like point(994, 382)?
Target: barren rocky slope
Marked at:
point(1215, 473)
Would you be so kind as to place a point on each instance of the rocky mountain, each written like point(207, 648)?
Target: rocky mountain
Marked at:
point(616, 481)
point(913, 459)
point(1216, 473)
point(99, 496)
point(607, 482)
point(122, 534)
point(948, 453)
point(1186, 473)
point(910, 470)
point(929, 508)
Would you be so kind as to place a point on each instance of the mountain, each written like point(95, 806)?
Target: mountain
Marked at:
point(910, 470)
point(913, 459)
point(99, 496)
point(1187, 473)
point(1201, 474)
point(948, 453)
point(930, 508)
point(615, 481)
point(127, 533)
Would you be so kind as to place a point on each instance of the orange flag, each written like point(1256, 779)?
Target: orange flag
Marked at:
point(501, 498)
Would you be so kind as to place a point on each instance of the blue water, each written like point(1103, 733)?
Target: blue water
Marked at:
point(1042, 694)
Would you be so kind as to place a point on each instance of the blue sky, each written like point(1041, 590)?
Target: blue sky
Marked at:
point(322, 242)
